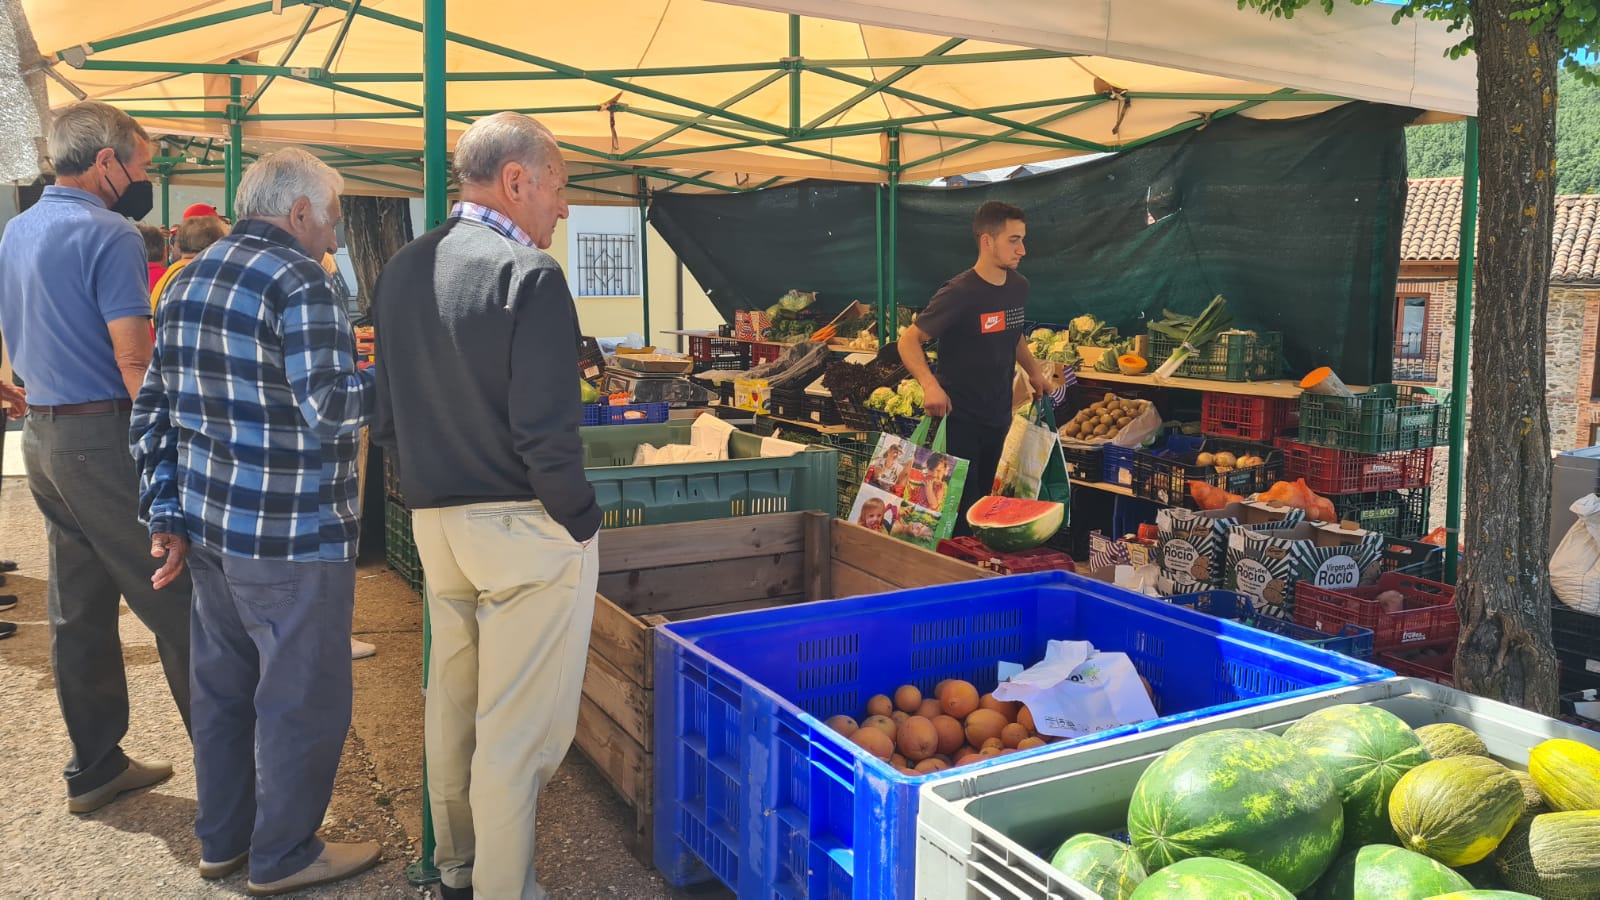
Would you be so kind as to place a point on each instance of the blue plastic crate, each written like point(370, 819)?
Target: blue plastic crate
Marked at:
point(1350, 640)
point(1117, 465)
point(753, 790)
point(654, 414)
point(593, 414)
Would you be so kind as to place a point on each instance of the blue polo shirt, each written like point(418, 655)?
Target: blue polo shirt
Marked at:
point(68, 266)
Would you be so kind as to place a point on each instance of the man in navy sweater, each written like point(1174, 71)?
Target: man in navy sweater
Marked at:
point(484, 427)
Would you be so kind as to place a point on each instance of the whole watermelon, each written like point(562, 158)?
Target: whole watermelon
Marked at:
point(1242, 795)
point(1387, 872)
point(1207, 878)
point(1106, 867)
point(1364, 750)
point(1483, 895)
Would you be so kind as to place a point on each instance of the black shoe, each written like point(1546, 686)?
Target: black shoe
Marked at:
point(449, 893)
point(7, 629)
point(7, 601)
point(7, 565)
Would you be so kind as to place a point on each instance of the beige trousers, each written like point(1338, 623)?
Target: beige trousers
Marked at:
point(510, 601)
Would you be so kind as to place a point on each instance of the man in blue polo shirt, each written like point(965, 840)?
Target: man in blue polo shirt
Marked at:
point(75, 311)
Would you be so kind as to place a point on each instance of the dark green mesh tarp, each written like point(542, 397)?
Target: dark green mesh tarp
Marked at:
point(1296, 222)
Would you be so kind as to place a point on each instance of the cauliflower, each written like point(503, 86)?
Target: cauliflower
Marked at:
point(1059, 344)
point(911, 389)
point(901, 406)
point(881, 398)
point(1041, 334)
point(1085, 324)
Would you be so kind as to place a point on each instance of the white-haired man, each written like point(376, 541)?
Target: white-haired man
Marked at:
point(246, 433)
point(491, 463)
point(75, 309)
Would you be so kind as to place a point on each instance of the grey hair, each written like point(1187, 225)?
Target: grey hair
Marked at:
point(272, 184)
point(81, 131)
point(491, 142)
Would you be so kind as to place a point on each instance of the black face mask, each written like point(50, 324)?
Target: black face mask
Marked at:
point(136, 200)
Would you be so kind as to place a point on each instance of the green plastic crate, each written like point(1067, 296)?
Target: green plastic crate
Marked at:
point(744, 485)
point(855, 454)
point(1396, 514)
point(1381, 419)
point(400, 545)
point(1240, 356)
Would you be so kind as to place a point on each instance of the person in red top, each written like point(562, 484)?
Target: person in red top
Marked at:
point(155, 251)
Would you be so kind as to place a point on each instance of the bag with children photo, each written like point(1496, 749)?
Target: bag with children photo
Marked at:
point(911, 491)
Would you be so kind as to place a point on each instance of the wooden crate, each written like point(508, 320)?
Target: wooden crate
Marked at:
point(655, 574)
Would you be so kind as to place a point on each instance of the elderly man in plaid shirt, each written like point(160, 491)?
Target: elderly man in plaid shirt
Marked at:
point(246, 433)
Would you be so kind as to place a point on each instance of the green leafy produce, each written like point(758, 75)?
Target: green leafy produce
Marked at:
point(1210, 323)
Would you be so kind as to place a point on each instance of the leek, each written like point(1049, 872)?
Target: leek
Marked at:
point(1207, 326)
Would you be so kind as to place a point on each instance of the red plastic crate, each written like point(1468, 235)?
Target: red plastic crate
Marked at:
point(1429, 615)
point(1411, 663)
point(1039, 559)
point(718, 353)
point(1251, 418)
point(764, 353)
point(1329, 471)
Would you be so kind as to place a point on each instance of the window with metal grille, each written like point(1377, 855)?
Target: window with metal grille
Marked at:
point(608, 265)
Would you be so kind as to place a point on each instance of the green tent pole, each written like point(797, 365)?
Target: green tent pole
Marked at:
point(1461, 364)
point(235, 155)
point(644, 259)
point(433, 113)
point(894, 236)
point(166, 200)
point(434, 201)
point(877, 231)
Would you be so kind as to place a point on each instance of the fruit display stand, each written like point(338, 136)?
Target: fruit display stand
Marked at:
point(655, 574)
point(990, 834)
point(755, 791)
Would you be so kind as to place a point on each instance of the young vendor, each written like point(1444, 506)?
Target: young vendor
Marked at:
point(977, 319)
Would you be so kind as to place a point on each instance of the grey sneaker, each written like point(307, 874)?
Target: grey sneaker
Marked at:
point(137, 775)
point(7, 601)
point(7, 629)
point(336, 862)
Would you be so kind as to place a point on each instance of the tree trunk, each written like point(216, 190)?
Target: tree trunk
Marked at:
point(1505, 651)
point(374, 229)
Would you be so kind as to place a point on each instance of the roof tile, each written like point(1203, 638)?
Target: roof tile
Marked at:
point(1432, 229)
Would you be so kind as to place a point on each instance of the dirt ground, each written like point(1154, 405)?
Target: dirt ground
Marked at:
point(143, 845)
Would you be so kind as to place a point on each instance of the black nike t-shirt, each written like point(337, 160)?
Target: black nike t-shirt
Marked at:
point(978, 326)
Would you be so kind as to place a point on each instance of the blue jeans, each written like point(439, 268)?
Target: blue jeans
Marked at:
point(270, 644)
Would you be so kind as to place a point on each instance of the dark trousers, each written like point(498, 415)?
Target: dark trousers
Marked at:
point(980, 445)
point(271, 704)
point(86, 486)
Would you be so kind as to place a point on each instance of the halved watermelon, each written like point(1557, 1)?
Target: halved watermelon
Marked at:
point(1008, 524)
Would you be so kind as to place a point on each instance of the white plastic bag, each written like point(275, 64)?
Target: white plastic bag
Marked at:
point(1077, 690)
point(1575, 567)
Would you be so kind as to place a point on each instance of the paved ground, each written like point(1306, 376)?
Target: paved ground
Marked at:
point(144, 845)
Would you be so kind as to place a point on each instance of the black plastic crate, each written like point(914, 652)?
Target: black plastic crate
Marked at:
point(857, 416)
point(1413, 557)
point(1162, 476)
point(591, 362)
point(391, 480)
point(719, 353)
point(1233, 356)
point(1394, 514)
point(1084, 463)
point(821, 410)
point(788, 403)
point(1382, 419)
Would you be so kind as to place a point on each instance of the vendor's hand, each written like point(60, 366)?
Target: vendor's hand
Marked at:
point(935, 402)
point(176, 549)
point(1039, 383)
point(17, 397)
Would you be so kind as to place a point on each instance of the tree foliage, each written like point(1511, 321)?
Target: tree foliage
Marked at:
point(1435, 151)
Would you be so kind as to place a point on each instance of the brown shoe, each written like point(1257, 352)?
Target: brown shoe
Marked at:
point(137, 775)
point(336, 862)
point(215, 870)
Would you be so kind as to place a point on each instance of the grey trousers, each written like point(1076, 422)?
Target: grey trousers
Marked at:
point(272, 693)
point(85, 483)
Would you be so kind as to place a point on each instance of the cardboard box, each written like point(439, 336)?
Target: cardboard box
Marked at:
point(1108, 553)
point(1192, 547)
point(1266, 562)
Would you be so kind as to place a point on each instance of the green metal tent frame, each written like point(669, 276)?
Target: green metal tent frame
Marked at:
point(648, 161)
